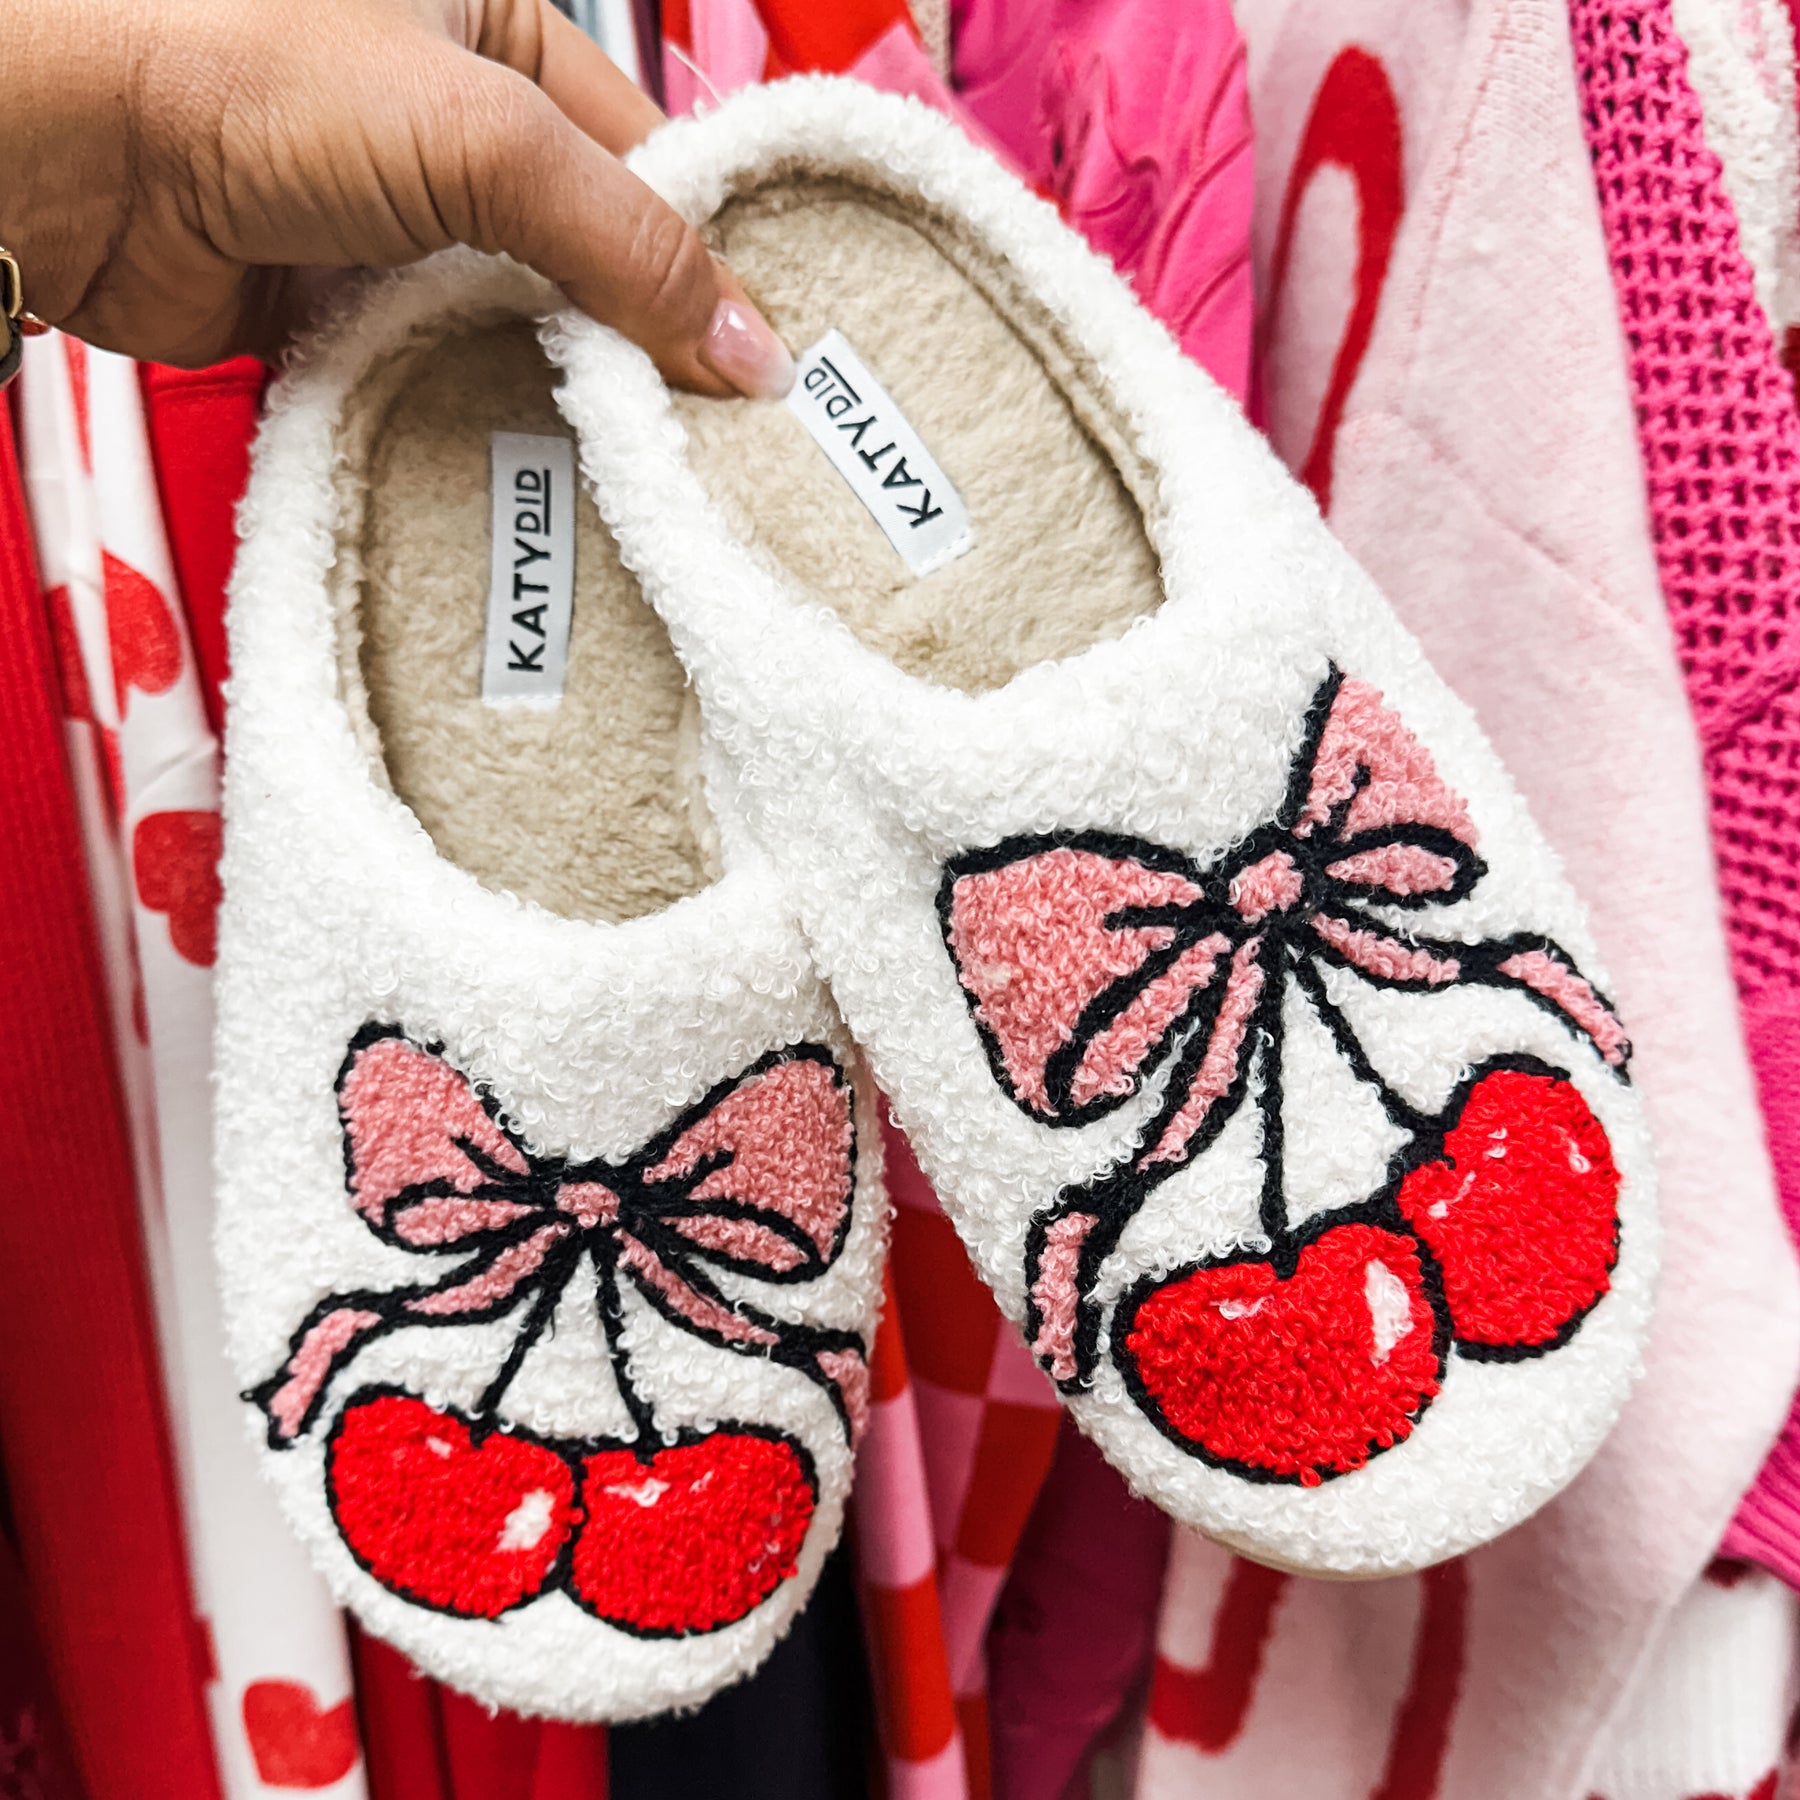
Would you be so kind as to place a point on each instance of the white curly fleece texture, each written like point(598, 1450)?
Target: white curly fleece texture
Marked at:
point(861, 781)
point(338, 910)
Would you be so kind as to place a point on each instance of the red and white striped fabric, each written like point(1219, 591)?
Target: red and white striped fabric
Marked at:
point(1379, 1674)
point(1270, 1684)
point(145, 764)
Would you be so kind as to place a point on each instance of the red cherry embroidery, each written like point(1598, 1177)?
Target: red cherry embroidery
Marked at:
point(692, 1538)
point(1292, 1380)
point(1521, 1211)
point(470, 1528)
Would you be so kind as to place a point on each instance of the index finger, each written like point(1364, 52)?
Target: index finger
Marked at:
point(586, 85)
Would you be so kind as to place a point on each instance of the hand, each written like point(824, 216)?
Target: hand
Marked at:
point(182, 180)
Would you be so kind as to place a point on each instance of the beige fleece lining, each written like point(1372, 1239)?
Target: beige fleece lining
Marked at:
point(592, 808)
point(1060, 558)
point(586, 808)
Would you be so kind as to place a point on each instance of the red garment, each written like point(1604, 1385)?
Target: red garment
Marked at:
point(402, 1749)
point(201, 422)
point(35, 1763)
point(423, 1742)
point(87, 1458)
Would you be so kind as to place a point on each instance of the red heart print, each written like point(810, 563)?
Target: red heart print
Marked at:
point(693, 1537)
point(1521, 1212)
point(140, 630)
point(469, 1527)
point(175, 862)
point(1293, 1379)
point(294, 1741)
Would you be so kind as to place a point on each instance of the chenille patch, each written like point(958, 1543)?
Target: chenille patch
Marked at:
point(466, 1513)
point(660, 1542)
point(463, 1526)
point(1520, 1210)
point(692, 1537)
point(1096, 964)
point(1296, 1378)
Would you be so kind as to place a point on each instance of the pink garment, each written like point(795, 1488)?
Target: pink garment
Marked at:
point(1695, 331)
point(1443, 361)
point(1071, 1640)
point(1132, 115)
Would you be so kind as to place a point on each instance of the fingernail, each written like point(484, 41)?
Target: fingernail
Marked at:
point(740, 347)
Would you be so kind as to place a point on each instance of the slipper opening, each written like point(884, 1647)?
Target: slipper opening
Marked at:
point(1058, 558)
point(584, 798)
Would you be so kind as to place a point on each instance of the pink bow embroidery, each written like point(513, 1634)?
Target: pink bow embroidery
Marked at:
point(755, 1178)
point(1091, 960)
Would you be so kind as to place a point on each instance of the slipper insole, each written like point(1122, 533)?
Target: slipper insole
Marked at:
point(1060, 559)
point(585, 807)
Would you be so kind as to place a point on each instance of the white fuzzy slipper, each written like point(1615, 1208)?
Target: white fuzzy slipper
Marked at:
point(1237, 1009)
point(551, 1224)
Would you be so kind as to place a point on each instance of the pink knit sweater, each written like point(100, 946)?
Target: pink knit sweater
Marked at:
point(1721, 448)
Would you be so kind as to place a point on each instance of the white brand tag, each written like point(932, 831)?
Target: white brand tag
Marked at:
point(531, 585)
point(854, 420)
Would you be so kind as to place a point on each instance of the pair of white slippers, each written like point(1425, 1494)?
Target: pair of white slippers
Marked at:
point(1236, 1009)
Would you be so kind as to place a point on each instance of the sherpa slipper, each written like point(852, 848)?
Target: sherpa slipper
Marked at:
point(552, 1223)
point(1238, 1011)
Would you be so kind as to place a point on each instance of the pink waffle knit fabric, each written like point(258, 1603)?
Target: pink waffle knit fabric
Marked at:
point(1720, 438)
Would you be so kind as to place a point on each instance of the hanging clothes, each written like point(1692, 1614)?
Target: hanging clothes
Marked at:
point(281, 1708)
point(1132, 115)
point(1442, 364)
point(798, 1729)
point(89, 1470)
point(1728, 551)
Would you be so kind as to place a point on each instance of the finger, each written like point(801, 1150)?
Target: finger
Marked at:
point(508, 171)
point(590, 88)
point(533, 39)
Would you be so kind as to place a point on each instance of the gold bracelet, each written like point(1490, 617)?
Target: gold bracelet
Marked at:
point(16, 324)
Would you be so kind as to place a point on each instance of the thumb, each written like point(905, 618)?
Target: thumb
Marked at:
point(507, 171)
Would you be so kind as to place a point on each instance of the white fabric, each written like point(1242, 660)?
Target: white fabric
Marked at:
point(1711, 1714)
